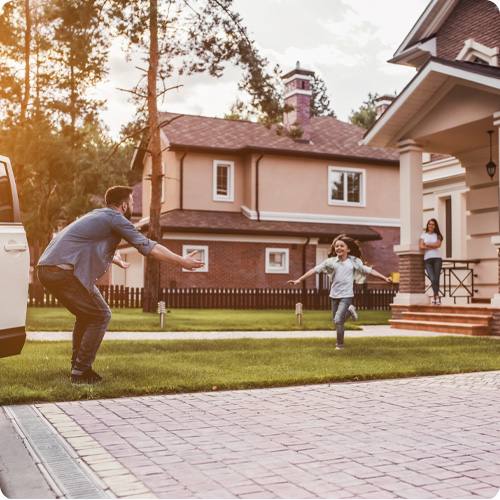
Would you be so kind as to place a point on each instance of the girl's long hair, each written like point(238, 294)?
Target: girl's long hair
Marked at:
point(353, 245)
point(436, 228)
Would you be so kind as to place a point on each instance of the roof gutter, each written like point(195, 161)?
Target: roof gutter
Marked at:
point(304, 267)
point(181, 187)
point(257, 163)
point(284, 152)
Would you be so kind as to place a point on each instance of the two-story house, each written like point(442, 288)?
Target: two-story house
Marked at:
point(445, 126)
point(261, 206)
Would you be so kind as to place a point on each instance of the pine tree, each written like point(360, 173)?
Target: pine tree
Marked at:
point(366, 115)
point(320, 102)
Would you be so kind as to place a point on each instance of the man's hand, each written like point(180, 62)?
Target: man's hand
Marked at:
point(388, 279)
point(117, 259)
point(123, 264)
point(293, 282)
point(189, 262)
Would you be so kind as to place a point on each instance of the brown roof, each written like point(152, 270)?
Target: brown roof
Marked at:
point(206, 221)
point(329, 138)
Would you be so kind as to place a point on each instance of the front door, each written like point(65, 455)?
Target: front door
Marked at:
point(14, 266)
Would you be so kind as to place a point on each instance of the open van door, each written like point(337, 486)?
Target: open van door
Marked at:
point(14, 266)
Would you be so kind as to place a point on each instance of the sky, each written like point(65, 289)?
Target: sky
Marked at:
point(347, 42)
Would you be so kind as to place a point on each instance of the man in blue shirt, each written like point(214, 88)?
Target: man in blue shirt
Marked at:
point(81, 253)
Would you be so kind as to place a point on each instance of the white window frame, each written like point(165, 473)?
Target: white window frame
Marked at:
point(188, 249)
point(273, 270)
point(362, 186)
point(230, 187)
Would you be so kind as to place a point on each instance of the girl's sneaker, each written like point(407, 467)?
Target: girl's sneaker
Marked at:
point(353, 312)
point(339, 347)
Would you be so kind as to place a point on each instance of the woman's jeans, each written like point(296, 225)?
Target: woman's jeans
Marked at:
point(433, 269)
point(339, 313)
point(91, 311)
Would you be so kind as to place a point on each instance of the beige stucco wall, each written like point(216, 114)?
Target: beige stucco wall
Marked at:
point(482, 221)
point(446, 179)
point(300, 185)
point(455, 109)
point(198, 182)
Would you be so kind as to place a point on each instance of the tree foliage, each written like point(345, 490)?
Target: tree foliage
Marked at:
point(320, 103)
point(48, 122)
point(366, 115)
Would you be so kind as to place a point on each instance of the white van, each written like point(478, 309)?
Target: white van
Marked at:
point(14, 266)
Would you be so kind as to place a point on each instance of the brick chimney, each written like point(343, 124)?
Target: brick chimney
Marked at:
point(298, 93)
point(382, 103)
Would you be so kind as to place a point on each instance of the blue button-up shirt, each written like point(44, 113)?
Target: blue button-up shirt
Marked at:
point(89, 244)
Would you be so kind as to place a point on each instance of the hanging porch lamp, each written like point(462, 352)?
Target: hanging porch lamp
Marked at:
point(491, 167)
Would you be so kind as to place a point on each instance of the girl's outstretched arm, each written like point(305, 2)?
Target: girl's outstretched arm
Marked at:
point(302, 278)
point(381, 276)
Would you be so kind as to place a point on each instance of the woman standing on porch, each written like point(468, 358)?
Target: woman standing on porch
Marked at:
point(345, 266)
point(430, 241)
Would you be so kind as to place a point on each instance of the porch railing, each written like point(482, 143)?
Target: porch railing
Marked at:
point(457, 279)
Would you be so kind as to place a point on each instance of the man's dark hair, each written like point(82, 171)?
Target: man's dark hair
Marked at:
point(117, 194)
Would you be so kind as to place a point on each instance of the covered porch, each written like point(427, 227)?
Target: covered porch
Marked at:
point(449, 108)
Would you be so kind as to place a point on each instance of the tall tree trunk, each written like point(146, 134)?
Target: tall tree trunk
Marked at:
point(27, 54)
point(152, 275)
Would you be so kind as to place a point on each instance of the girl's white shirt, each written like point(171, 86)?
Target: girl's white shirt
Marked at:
point(430, 253)
point(343, 274)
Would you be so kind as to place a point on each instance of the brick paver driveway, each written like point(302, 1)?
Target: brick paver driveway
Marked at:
point(411, 438)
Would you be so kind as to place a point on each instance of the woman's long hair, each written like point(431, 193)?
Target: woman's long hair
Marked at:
point(436, 228)
point(353, 245)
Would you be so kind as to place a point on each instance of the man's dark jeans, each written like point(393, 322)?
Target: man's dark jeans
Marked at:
point(91, 311)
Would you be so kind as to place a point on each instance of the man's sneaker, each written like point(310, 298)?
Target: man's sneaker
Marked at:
point(339, 347)
point(353, 312)
point(87, 377)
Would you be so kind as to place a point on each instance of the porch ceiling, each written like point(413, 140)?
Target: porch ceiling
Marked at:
point(454, 97)
point(456, 140)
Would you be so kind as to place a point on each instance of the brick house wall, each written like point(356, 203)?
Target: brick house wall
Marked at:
point(477, 19)
point(380, 254)
point(236, 265)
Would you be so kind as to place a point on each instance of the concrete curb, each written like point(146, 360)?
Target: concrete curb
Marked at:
point(368, 331)
point(20, 475)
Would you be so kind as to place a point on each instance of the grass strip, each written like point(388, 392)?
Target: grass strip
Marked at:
point(41, 372)
point(199, 320)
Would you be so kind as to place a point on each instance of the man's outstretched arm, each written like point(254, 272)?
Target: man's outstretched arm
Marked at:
point(162, 253)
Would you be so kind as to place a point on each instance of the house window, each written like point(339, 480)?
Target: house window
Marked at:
point(346, 186)
point(201, 254)
point(277, 260)
point(223, 180)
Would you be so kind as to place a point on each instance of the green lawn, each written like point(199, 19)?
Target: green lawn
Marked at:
point(41, 372)
point(59, 319)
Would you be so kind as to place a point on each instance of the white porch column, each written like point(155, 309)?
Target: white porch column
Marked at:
point(411, 264)
point(495, 301)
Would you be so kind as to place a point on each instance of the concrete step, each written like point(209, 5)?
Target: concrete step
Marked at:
point(480, 319)
point(458, 309)
point(440, 326)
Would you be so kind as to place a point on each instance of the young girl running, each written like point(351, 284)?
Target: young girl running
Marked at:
point(346, 267)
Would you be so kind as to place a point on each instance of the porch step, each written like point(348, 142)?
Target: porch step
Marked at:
point(467, 309)
point(440, 326)
point(479, 319)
